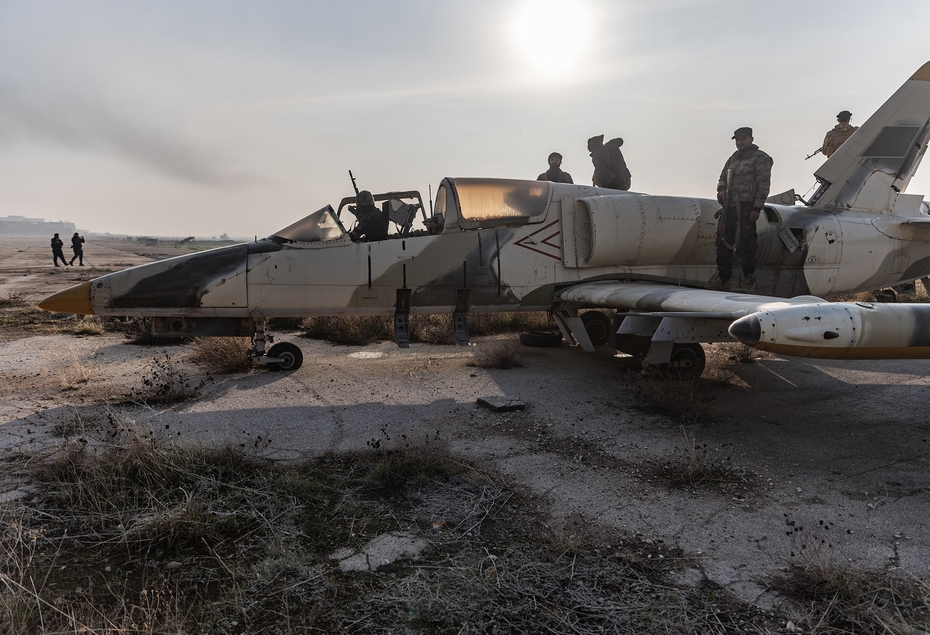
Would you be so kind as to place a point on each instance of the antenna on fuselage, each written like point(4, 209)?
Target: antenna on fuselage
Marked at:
point(430, 186)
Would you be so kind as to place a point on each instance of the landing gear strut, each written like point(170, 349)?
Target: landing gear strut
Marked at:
point(282, 356)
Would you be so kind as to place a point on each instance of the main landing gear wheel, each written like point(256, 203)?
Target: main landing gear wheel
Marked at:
point(687, 361)
point(541, 339)
point(289, 354)
point(597, 325)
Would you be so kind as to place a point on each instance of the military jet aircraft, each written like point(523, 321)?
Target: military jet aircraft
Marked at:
point(510, 245)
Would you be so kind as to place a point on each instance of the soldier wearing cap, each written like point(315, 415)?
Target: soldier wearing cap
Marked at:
point(750, 177)
point(839, 134)
point(555, 173)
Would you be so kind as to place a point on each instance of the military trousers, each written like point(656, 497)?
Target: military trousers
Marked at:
point(726, 238)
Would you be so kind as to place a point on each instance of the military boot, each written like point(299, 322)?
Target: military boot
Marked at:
point(749, 283)
point(719, 285)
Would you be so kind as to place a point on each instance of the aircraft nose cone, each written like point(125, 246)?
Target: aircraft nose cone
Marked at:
point(747, 330)
point(72, 300)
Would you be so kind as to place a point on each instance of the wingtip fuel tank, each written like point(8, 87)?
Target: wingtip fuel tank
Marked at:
point(839, 330)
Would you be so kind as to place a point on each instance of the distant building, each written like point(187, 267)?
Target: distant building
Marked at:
point(22, 226)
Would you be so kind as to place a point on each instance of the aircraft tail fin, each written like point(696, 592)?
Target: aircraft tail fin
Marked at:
point(878, 161)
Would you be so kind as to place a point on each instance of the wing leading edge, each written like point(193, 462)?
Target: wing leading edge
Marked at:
point(644, 297)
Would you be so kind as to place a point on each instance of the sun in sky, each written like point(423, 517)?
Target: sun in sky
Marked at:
point(552, 36)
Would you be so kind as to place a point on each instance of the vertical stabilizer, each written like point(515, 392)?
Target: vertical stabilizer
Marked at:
point(879, 159)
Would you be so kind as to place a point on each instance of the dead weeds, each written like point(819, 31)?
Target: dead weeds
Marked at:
point(222, 354)
point(427, 329)
point(144, 535)
point(14, 298)
point(834, 600)
point(501, 354)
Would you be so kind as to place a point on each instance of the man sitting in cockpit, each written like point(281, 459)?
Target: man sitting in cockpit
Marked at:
point(372, 222)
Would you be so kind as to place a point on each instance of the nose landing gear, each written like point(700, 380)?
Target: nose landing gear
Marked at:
point(283, 356)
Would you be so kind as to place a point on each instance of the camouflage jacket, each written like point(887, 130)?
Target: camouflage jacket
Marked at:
point(752, 175)
point(561, 177)
point(836, 137)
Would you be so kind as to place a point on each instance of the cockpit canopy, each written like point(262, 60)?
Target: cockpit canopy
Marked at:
point(461, 204)
point(322, 225)
point(485, 203)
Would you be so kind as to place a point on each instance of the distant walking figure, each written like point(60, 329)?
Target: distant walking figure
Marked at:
point(57, 253)
point(77, 246)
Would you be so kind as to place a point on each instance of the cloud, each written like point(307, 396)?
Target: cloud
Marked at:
point(84, 124)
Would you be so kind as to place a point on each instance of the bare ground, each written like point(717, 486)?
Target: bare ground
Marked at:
point(723, 471)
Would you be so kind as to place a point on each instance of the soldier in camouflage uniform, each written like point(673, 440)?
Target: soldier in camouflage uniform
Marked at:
point(555, 173)
point(839, 134)
point(749, 187)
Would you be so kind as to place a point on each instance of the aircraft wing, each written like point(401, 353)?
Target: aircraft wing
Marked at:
point(664, 315)
point(806, 326)
point(643, 297)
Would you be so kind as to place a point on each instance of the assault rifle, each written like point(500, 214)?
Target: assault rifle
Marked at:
point(814, 153)
point(721, 215)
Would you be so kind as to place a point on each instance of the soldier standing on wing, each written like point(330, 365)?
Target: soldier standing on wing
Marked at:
point(743, 196)
point(839, 134)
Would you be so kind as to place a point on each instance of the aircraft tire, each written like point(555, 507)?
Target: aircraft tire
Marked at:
point(597, 325)
point(541, 339)
point(289, 353)
point(687, 361)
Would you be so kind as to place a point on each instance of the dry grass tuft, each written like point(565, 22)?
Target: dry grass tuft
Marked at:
point(433, 329)
point(352, 330)
point(222, 354)
point(86, 325)
point(497, 354)
point(428, 329)
point(76, 375)
point(837, 600)
point(725, 353)
point(138, 331)
point(14, 298)
point(697, 467)
point(684, 400)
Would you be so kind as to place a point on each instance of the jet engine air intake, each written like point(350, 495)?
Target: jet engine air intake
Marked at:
point(628, 230)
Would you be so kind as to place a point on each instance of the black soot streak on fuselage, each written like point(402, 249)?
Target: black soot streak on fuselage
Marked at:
point(184, 284)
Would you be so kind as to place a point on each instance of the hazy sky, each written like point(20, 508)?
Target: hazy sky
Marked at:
point(204, 117)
